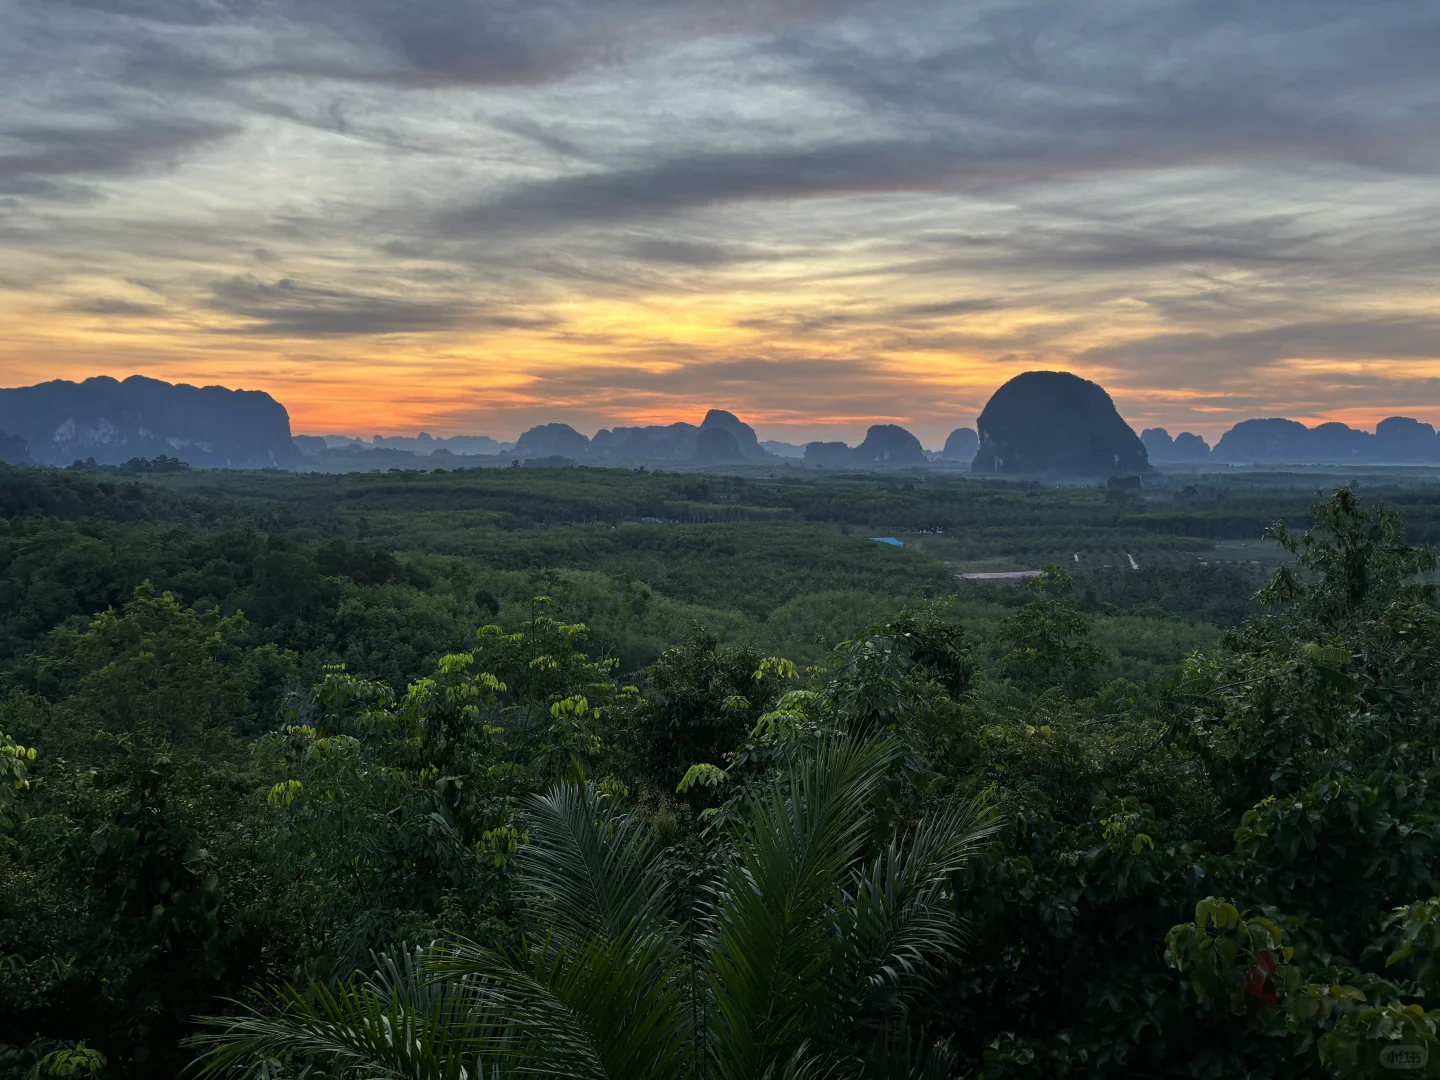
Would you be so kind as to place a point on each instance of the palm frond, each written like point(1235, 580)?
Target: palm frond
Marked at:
point(598, 1009)
point(591, 869)
point(898, 927)
point(771, 926)
point(910, 1056)
point(809, 959)
point(393, 1024)
point(801, 1065)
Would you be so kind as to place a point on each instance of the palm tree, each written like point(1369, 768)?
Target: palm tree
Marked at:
point(802, 958)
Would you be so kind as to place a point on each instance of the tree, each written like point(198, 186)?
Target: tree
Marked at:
point(156, 667)
point(1048, 640)
point(1353, 563)
point(1322, 719)
point(701, 700)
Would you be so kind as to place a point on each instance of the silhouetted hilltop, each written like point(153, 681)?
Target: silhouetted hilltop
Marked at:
point(721, 437)
point(828, 453)
point(1271, 439)
point(885, 444)
point(656, 442)
point(961, 446)
point(1403, 438)
point(1039, 422)
point(776, 448)
point(115, 422)
point(1056, 422)
point(1185, 447)
point(425, 444)
point(889, 444)
point(745, 438)
point(552, 440)
point(311, 446)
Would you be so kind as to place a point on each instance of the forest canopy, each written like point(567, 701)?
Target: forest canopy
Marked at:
point(597, 773)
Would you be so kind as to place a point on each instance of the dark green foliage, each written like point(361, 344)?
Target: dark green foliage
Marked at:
point(121, 908)
point(250, 737)
point(1289, 770)
point(1353, 565)
point(1049, 641)
point(155, 667)
point(893, 675)
point(810, 951)
point(701, 700)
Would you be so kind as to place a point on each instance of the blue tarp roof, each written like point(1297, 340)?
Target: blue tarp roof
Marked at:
point(887, 540)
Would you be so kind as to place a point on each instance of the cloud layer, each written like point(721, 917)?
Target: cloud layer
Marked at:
point(472, 216)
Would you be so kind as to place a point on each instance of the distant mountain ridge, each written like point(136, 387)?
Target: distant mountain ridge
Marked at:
point(112, 422)
point(426, 444)
point(1397, 440)
point(1038, 422)
point(1184, 447)
point(14, 450)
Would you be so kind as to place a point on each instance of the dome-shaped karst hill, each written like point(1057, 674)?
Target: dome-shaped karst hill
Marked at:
point(1057, 423)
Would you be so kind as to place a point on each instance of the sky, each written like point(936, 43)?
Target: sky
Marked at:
point(471, 216)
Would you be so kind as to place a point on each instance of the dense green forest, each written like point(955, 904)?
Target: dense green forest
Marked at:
point(608, 773)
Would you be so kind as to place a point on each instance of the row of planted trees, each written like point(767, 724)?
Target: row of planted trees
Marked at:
point(903, 865)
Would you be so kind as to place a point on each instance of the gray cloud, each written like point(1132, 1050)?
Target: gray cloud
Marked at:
point(1197, 359)
point(102, 305)
point(426, 43)
point(286, 308)
point(1036, 93)
point(33, 158)
point(857, 391)
point(688, 182)
point(660, 249)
